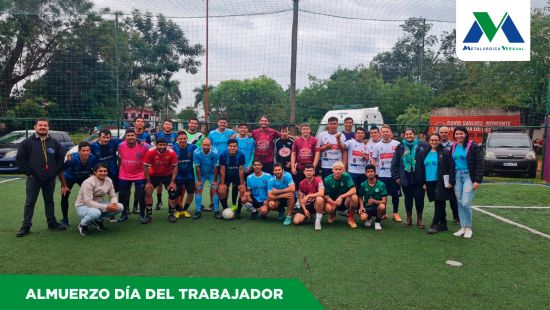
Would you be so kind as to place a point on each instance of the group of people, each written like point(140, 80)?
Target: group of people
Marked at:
point(350, 173)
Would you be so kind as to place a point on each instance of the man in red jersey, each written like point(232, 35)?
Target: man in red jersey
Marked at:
point(265, 144)
point(311, 198)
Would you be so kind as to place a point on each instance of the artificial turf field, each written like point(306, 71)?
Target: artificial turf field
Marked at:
point(503, 266)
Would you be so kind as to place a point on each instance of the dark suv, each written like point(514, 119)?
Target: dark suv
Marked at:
point(9, 145)
point(510, 151)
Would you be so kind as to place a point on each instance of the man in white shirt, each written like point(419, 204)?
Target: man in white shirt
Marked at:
point(330, 144)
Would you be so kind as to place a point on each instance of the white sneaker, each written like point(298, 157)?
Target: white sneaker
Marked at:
point(468, 233)
point(377, 226)
point(460, 232)
point(248, 206)
point(368, 223)
point(317, 225)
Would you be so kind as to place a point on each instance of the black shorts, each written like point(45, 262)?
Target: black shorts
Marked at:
point(282, 202)
point(310, 206)
point(358, 178)
point(188, 185)
point(342, 206)
point(372, 210)
point(164, 180)
point(257, 204)
point(267, 168)
point(298, 177)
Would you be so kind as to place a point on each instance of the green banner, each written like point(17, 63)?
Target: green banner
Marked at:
point(94, 292)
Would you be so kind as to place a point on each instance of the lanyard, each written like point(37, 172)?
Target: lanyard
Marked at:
point(43, 142)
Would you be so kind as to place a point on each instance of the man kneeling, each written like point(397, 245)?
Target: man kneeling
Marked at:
point(340, 194)
point(373, 192)
point(311, 191)
point(89, 203)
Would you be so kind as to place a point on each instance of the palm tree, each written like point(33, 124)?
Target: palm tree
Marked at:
point(201, 94)
point(169, 95)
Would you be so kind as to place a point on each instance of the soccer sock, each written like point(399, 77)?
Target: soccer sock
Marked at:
point(135, 203)
point(198, 202)
point(351, 214)
point(318, 217)
point(216, 199)
point(149, 210)
point(239, 206)
point(178, 207)
point(395, 203)
point(171, 209)
point(159, 198)
point(186, 206)
point(224, 203)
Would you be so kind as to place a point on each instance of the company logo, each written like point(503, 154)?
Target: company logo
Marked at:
point(493, 30)
point(484, 25)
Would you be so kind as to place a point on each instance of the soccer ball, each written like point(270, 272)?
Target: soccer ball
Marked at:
point(228, 214)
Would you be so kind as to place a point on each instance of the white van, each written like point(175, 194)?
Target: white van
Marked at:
point(361, 118)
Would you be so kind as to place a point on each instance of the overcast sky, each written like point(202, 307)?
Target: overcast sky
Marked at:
point(250, 38)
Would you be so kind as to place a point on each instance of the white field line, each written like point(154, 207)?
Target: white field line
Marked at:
point(505, 220)
point(511, 207)
point(8, 180)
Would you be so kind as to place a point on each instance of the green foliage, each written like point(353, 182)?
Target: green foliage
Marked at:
point(247, 100)
point(187, 113)
point(29, 108)
point(410, 119)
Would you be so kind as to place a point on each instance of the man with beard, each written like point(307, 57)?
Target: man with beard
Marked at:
point(207, 167)
point(280, 191)
point(194, 136)
point(186, 174)
point(170, 137)
point(265, 144)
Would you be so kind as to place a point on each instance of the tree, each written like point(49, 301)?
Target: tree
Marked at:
point(169, 95)
point(31, 34)
point(187, 113)
point(247, 100)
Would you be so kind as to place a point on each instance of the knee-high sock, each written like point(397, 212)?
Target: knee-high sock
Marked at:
point(198, 202)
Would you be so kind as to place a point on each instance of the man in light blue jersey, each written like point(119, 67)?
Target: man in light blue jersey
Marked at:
point(220, 135)
point(256, 196)
point(246, 145)
point(207, 164)
point(280, 191)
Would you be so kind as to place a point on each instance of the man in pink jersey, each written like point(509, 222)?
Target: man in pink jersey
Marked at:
point(304, 152)
point(131, 156)
point(161, 168)
point(265, 144)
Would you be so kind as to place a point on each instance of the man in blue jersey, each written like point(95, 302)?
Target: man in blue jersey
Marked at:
point(104, 149)
point(231, 173)
point(221, 135)
point(171, 137)
point(186, 175)
point(280, 191)
point(207, 164)
point(256, 196)
point(139, 128)
point(246, 145)
point(77, 168)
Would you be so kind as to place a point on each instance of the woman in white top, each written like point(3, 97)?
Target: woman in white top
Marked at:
point(90, 205)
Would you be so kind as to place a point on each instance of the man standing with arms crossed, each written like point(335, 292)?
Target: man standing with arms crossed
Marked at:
point(40, 158)
point(265, 144)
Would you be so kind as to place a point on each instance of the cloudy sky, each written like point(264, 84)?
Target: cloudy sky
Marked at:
point(252, 38)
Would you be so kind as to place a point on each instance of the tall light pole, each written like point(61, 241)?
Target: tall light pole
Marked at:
point(294, 51)
point(206, 90)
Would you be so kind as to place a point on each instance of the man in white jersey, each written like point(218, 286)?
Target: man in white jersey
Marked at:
point(330, 144)
point(358, 156)
point(382, 156)
point(374, 139)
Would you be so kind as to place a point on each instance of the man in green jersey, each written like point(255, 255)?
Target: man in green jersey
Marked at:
point(372, 199)
point(340, 194)
point(194, 136)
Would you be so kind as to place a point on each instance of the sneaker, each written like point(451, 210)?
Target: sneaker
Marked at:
point(368, 223)
point(23, 232)
point(234, 208)
point(443, 227)
point(57, 226)
point(112, 219)
point(248, 206)
point(218, 215)
point(386, 216)
point(281, 216)
point(288, 220)
point(159, 205)
point(123, 218)
point(144, 220)
point(185, 214)
point(317, 225)
point(197, 215)
point(254, 215)
point(172, 218)
point(83, 230)
point(209, 208)
point(99, 225)
point(456, 221)
point(377, 226)
point(331, 218)
point(460, 232)
point(396, 217)
point(65, 222)
point(434, 229)
point(468, 233)
point(177, 214)
point(135, 210)
point(351, 223)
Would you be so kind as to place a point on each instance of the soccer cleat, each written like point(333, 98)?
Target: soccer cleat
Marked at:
point(172, 218)
point(434, 229)
point(281, 216)
point(65, 222)
point(397, 218)
point(248, 206)
point(218, 215)
point(83, 230)
point(351, 223)
point(123, 218)
point(135, 210)
point(177, 214)
point(317, 225)
point(460, 232)
point(23, 232)
point(143, 220)
point(57, 226)
point(331, 218)
point(185, 214)
point(386, 216)
point(233, 208)
point(288, 220)
point(159, 205)
point(254, 215)
point(209, 208)
point(468, 233)
point(197, 215)
point(99, 226)
point(377, 226)
point(112, 219)
point(368, 223)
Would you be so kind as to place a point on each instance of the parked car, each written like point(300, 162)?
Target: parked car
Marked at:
point(94, 137)
point(510, 151)
point(9, 145)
